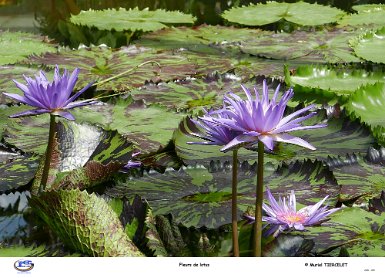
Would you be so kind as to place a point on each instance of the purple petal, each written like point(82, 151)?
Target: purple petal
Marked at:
point(267, 141)
point(17, 97)
point(293, 115)
point(286, 138)
point(79, 103)
point(238, 141)
point(75, 96)
point(65, 114)
point(30, 113)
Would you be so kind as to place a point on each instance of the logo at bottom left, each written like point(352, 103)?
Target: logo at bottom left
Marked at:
point(23, 265)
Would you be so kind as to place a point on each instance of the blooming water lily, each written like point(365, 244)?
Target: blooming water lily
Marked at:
point(50, 97)
point(283, 215)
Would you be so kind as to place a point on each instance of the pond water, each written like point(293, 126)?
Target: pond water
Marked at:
point(148, 86)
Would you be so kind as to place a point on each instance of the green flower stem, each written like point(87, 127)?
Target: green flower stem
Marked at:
point(234, 215)
point(258, 204)
point(48, 153)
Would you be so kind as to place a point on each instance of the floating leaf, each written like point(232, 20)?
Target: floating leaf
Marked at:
point(370, 46)
point(132, 19)
point(17, 46)
point(194, 196)
point(329, 46)
point(29, 134)
point(18, 172)
point(188, 95)
point(198, 197)
point(84, 222)
point(301, 13)
point(101, 63)
point(340, 137)
point(360, 181)
point(144, 125)
point(197, 38)
point(368, 7)
point(367, 104)
point(367, 17)
point(329, 81)
point(311, 181)
point(359, 231)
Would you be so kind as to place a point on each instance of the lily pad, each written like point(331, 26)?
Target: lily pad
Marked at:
point(360, 181)
point(323, 46)
point(365, 17)
point(370, 46)
point(145, 125)
point(198, 197)
point(132, 19)
point(17, 46)
point(190, 95)
point(102, 63)
point(368, 7)
point(340, 137)
point(330, 81)
point(17, 172)
point(301, 13)
point(194, 39)
point(367, 104)
point(359, 231)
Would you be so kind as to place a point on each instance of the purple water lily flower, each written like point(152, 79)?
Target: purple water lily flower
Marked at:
point(50, 97)
point(261, 119)
point(283, 215)
point(132, 163)
point(214, 133)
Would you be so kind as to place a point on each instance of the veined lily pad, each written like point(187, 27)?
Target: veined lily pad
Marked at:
point(340, 137)
point(17, 46)
point(367, 103)
point(101, 63)
point(84, 222)
point(195, 38)
point(361, 181)
point(359, 231)
point(193, 94)
point(370, 46)
point(198, 197)
point(145, 125)
point(327, 80)
point(329, 46)
point(17, 172)
point(301, 13)
point(132, 19)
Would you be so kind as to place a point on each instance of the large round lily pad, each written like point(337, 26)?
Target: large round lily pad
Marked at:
point(301, 13)
point(132, 19)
